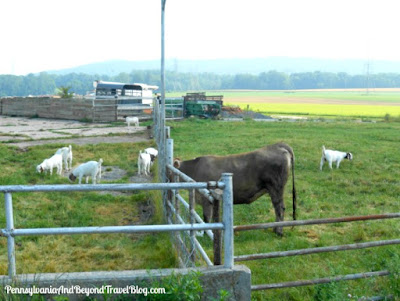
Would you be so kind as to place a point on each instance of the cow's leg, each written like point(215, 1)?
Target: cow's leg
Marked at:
point(279, 206)
point(207, 210)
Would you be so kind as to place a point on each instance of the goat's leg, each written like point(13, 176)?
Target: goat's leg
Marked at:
point(322, 163)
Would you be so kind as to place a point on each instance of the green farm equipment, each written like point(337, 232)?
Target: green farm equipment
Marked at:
point(198, 104)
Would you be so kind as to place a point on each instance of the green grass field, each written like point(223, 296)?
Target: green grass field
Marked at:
point(349, 104)
point(324, 110)
point(47, 254)
point(368, 185)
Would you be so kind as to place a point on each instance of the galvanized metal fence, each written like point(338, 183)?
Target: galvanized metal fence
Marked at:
point(317, 250)
point(10, 232)
point(180, 211)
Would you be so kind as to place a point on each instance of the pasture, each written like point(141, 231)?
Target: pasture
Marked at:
point(98, 252)
point(368, 185)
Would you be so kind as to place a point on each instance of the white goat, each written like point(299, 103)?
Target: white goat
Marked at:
point(152, 152)
point(88, 169)
point(49, 164)
point(66, 153)
point(133, 120)
point(144, 161)
point(333, 156)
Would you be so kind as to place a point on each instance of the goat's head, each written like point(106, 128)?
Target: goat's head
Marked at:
point(349, 156)
point(72, 177)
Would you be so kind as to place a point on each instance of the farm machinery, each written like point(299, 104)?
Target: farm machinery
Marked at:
point(198, 104)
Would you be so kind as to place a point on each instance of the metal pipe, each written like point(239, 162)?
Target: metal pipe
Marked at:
point(192, 221)
point(318, 250)
point(103, 187)
point(186, 178)
point(227, 219)
point(203, 253)
point(111, 229)
point(316, 221)
point(318, 281)
point(170, 151)
point(12, 271)
point(161, 145)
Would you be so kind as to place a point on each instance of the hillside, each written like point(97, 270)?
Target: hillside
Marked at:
point(240, 65)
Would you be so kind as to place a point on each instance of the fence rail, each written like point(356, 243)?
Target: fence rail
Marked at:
point(319, 281)
point(316, 221)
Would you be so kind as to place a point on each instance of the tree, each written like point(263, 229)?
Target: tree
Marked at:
point(63, 92)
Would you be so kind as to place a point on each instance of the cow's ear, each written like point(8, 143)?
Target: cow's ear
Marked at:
point(177, 163)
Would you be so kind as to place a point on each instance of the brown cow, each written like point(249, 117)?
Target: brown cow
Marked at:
point(255, 173)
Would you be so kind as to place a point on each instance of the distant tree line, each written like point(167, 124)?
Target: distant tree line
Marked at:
point(44, 83)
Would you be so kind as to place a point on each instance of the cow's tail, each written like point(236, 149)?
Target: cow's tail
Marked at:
point(293, 189)
point(290, 151)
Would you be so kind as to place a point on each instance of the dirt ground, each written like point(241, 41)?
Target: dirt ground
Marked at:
point(25, 132)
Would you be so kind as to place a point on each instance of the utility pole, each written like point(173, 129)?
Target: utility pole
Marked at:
point(162, 133)
point(367, 66)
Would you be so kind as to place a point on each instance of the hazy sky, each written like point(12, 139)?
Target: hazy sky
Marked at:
point(39, 35)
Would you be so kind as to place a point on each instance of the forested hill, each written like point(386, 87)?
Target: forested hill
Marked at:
point(80, 83)
point(239, 65)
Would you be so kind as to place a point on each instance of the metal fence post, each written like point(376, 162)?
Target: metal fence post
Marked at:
point(227, 219)
point(170, 194)
point(10, 239)
point(192, 233)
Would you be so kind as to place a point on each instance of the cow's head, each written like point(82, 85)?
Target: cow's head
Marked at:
point(72, 178)
point(177, 163)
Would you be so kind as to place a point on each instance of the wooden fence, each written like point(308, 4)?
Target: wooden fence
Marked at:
point(58, 108)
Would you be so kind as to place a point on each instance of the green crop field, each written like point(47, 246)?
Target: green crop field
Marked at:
point(370, 184)
point(323, 110)
point(375, 103)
